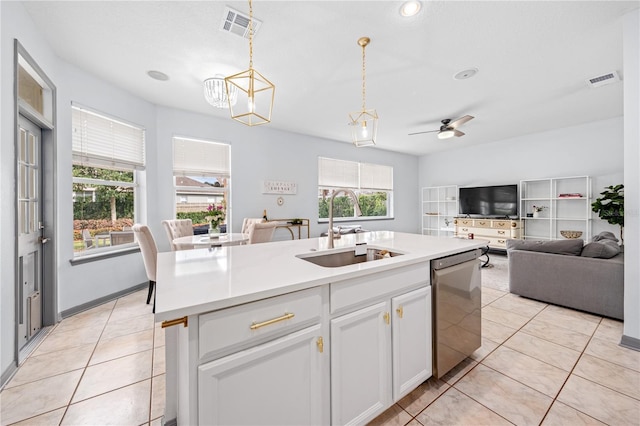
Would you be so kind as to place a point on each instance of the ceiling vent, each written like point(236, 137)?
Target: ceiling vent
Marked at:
point(237, 23)
point(603, 80)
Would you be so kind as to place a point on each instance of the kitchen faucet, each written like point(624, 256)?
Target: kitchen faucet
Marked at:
point(356, 207)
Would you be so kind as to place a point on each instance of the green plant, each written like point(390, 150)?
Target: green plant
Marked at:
point(610, 206)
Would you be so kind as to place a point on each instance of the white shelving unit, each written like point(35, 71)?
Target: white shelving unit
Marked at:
point(561, 212)
point(439, 208)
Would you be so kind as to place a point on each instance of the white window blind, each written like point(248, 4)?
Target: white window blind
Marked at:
point(193, 157)
point(350, 174)
point(99, 141)
point(375, 176)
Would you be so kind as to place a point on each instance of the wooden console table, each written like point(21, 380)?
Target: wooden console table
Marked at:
point(497, 231)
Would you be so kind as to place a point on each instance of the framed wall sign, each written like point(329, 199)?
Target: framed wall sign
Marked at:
point(279, 187)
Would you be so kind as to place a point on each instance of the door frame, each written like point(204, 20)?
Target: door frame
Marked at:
point(46, 122)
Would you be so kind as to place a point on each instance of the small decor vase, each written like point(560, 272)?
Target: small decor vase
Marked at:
point(214, 231)
point(536, 213)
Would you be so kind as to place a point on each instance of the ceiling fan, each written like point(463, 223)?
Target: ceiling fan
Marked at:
point(449, 128)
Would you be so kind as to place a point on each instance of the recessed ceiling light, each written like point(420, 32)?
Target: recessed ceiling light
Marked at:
point(158, 75)
point(465, 74)
point(410, 8)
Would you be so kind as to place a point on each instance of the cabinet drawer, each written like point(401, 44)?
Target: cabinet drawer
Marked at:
point(498, 242)
point(503, 224)
point(463, 222)
point(372, 288)
point(246, 325)
point(482, 223)
point(497, 233)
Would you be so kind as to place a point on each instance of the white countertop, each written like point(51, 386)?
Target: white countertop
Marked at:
point(201, 280)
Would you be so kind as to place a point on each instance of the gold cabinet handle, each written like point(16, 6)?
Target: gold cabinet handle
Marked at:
point(171, 323)
point(286, 316)
point(387, 318)
point(400, 311)
point(501, 232)
point(320, 343)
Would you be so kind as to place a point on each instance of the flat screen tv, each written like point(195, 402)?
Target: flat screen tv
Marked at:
point(489, 201)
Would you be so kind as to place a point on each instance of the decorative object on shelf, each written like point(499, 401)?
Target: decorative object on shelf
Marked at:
point(537, 210)
point(215, 92)
point(296, 221)
point(280, 201)
point(364, 123)
point(254, 91)
point(571, 234)
point(572, 195)
point(610, 207)
point(215, 217)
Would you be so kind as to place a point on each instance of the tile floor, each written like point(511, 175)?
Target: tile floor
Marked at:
point(538, 364)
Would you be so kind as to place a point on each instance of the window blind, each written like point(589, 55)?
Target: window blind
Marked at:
point(350, 174)
point(99, 141)
point(192, 157)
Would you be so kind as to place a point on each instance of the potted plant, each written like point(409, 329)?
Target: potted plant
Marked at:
point(610, 207)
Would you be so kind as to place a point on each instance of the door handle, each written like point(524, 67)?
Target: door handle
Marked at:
point(44, 240)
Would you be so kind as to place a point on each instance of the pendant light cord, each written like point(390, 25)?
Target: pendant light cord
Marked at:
point(250, 35)
point(364, 90)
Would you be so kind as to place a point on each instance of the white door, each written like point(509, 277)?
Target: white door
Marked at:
point(412, 346)
point(282, 382)
point(361, 364)
point(30, 230)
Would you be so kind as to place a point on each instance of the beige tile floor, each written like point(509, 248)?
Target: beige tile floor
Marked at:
point(538, 364)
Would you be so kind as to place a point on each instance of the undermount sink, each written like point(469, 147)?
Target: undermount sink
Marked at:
point(348, 257)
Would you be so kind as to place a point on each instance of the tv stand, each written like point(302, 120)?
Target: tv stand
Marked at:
point(496, 231)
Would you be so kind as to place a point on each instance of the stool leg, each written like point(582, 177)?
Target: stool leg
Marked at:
point(152, 284)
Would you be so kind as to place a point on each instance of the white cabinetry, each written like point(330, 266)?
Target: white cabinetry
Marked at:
point(566, 206)
point(265, 362)
point(439, 207)
point(382, 351)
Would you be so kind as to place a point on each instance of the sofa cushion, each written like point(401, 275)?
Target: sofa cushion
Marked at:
point(571, 247)
point(603, 236)
point(604, 249)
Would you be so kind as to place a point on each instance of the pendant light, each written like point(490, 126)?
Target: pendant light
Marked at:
point(255, 92)
point(364, 123)
point(215, 92)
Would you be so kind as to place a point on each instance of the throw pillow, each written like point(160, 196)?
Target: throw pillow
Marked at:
point(605, 249)
point(605, 235)
point(571, 247)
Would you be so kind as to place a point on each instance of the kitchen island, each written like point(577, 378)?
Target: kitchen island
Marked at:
point(264, 336)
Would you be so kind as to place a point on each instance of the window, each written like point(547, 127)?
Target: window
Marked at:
point(202, 174)
point(372, 183)
point(107, 156)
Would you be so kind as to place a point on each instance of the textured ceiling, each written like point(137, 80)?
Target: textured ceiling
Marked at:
point(533, 59)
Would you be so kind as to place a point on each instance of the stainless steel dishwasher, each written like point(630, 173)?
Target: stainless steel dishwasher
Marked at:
point(456, 289)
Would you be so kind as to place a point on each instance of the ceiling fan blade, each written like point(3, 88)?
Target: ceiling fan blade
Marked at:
point(460, 121)
point(427, 131)
point(457, 133)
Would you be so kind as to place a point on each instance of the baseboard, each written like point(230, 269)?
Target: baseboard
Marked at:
point(8, 374)
point(92, 304)
point(630, 343)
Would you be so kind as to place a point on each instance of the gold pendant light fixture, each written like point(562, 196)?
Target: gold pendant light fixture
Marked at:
point(364, 123)
point(255, 92)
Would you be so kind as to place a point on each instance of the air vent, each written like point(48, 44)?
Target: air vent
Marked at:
point(237, 23)
point(602, 80)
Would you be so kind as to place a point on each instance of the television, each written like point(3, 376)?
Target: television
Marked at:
point(489, 201)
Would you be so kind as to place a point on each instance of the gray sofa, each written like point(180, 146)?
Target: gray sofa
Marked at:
point(562, 273)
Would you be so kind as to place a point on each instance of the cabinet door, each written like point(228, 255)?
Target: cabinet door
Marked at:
point(412, 346)
point(361, 364)
point(282, 382)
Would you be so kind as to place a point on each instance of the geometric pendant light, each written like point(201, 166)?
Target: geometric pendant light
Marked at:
point(254, 92)
point(364, 123)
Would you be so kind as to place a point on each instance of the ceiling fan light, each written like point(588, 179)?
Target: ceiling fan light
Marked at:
point(446, 134)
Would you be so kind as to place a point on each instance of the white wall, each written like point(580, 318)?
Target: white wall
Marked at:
point(594, 149)
point(632, 175)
